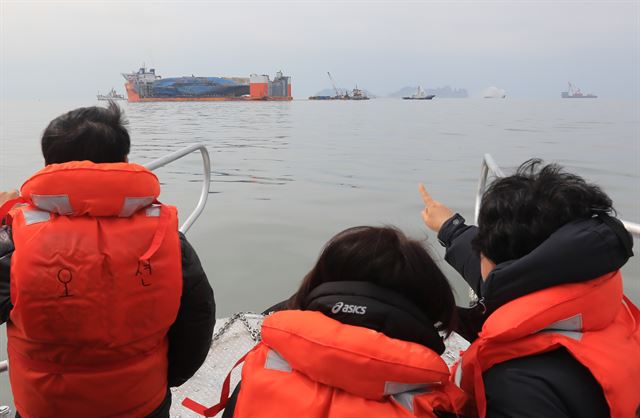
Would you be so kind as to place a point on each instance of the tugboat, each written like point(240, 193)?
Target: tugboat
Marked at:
point(356, 94)
point(419, 95)
point(112, 95)
point(575, 93)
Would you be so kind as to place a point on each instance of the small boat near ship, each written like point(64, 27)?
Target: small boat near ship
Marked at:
point(355, 94)
point(112, 95)
point(575, 93)
point(419, 95)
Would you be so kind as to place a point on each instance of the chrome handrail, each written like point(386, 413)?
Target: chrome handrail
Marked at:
point(4, 366)
point(204, 194)
point(490, 166)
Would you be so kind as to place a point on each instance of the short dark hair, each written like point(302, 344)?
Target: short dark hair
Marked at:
point(519, 212)
point(96, 134)
point(386, 257)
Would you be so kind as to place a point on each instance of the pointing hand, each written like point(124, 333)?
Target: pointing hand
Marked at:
point(435, 214)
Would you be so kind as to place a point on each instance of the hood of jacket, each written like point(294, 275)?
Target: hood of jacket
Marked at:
point(577, 252)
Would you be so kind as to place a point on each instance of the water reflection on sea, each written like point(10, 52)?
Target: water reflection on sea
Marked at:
point(287, 176)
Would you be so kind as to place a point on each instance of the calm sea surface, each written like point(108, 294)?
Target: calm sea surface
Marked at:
point(288, 176)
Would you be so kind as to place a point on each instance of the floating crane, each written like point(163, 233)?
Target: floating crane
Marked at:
point(333, 83)
point(575, 93)
point(356, 94)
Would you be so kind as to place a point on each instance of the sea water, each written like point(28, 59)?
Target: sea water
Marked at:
point(287, 176)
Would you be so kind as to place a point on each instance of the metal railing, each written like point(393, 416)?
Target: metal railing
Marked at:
point(489, 166)
point(204, 194)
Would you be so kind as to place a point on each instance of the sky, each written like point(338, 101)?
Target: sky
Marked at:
point(73, 49)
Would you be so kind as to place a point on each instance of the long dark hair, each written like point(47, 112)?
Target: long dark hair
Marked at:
point(386, 257)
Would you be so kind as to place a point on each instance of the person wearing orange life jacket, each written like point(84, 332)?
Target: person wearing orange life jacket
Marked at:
point(553, 335)
point(106, 304)
point(358, 339)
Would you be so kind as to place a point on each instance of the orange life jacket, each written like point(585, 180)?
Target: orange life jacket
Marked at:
point(592, 320)
point(309, 365)
point(96, 281)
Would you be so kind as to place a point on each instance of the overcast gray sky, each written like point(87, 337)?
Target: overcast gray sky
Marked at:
point(72, 49)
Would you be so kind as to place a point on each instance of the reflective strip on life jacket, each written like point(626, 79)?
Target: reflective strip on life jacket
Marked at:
point(570, 327)
point(133, 204)
point(276, 362)
point(395, 388)
point(406, 399)
point(59, 204)
point(153, 211)
point(34, 216)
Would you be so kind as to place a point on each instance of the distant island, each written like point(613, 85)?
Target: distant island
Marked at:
point(332, 92)
point(440, 92)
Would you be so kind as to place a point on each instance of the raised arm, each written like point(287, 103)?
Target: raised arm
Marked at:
point(455, 236)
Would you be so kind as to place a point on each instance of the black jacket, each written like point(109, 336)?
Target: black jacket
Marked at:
point(551, 384)
point(189, 336)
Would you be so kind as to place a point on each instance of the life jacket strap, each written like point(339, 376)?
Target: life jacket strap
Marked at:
point(158, 236)
point(224, 396)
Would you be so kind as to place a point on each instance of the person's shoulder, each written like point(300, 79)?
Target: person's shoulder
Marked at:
point(189, 255)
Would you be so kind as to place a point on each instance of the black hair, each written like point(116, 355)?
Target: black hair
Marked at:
point(386, 257)
point(519, 212)
point(96, 134)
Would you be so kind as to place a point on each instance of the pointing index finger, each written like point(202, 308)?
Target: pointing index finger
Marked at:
point(426, 197)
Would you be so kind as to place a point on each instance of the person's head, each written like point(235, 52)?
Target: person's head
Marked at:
point(96, 134)
point(519, 212)
point(385, 257)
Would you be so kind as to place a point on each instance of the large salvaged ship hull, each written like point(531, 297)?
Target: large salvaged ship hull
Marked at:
point(145, 86)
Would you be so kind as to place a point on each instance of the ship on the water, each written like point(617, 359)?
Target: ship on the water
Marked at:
point(575, 93)
point(112, 95)
point(420, 95)
point(146, 86)
point(355, 94)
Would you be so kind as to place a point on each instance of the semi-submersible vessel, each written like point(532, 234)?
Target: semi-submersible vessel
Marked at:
point(146, 86)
